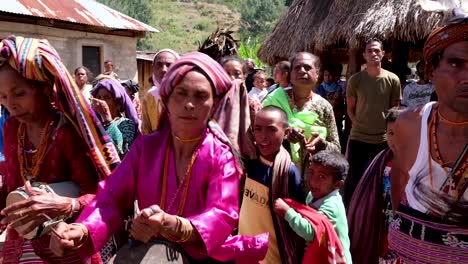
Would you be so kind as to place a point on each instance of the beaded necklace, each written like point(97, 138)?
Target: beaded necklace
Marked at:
point(456, 179)
point(445, 120)
point(183, 185)
point(31, 171)
point(293, 101)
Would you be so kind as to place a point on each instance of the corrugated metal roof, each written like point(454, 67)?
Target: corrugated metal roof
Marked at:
point(88, 12)
point(145, 55)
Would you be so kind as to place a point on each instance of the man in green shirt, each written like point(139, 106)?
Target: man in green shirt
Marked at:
point(369, 95)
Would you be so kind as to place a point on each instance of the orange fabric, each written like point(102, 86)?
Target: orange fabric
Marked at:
point(442, 37)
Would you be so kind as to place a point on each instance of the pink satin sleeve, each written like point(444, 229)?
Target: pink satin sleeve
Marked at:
point(216, 223)
point(105, 215)
point(221, 212)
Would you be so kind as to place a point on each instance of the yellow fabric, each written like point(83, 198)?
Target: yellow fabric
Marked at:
point(255, 217)
point(151, 109)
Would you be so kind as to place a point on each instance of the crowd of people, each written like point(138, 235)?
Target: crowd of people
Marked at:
point(223, 164)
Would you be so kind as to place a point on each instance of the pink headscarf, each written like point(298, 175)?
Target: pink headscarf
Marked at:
point(195, 60)
point(231, 111)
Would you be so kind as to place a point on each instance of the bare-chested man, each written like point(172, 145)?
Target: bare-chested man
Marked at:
point(428, 191)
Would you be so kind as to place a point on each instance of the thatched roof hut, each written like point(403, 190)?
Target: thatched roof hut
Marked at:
point(321, 25)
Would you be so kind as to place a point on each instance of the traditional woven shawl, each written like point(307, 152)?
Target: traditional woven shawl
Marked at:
point(36, 59)
point(289, 243)
point(326, 246)
point(366, 210)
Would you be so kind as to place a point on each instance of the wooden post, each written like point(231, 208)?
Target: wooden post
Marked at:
point(354, 64)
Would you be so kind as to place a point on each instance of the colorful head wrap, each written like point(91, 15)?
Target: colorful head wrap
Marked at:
point(455, 30)
point(215, 74)
point(195, 60)
point(36, 59)
point(120, 95)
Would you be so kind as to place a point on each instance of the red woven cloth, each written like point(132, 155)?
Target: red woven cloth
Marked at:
point(326, 246)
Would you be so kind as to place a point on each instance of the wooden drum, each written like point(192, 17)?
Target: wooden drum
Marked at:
point(67, 189)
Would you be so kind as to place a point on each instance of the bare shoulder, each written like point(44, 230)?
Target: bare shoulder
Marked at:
point(409, 122)
point(407, 136)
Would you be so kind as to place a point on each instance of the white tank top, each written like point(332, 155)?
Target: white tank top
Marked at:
point(420, 167)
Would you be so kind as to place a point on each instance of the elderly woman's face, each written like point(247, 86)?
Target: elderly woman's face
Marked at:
point(190, 105)
point(24, 101)
point(103, 94)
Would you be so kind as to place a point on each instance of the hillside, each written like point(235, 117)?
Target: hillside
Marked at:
point(184, 24)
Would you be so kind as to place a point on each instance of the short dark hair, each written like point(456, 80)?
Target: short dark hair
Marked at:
point(107, 61)
point(89, 74)
point(270, 80)
point(284, 66)
point(315, 58)
point(372, 40)
point(282, 113)
point(334, 161)
point(227, 59)
point(393, 114)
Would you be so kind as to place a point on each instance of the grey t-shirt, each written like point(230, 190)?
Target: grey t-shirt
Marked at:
point(416, 95)
point(374, 96)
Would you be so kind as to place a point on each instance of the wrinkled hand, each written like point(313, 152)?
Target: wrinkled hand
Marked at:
point(148, 223)
point(280, 207)
point(315, 143)
point(102, 109)
point(67, 238)
point(295, 135)
point(38, 208)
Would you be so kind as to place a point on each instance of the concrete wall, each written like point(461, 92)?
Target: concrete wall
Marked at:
point(68, 43)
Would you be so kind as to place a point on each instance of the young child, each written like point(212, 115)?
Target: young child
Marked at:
point(371, 204)
point(271, 176)
point(326, 176)
point(259, 91)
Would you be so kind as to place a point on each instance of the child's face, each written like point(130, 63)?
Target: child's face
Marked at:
point(260, 81)
point(321, 181)
point(391, 135)
point(269, 132)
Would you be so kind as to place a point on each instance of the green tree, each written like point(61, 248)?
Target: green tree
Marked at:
point(138, 9)
point(259, 17)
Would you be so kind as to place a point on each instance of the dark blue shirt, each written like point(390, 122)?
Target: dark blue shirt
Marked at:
point(262, 173)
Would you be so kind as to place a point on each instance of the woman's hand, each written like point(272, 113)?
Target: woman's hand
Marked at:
point(315, 143)
point(38, 208)
point(67, 237)
point(295, 135)
point(150, 222)
point(102, 109)
point(280, 207)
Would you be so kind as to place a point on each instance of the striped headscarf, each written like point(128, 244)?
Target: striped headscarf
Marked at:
point(36, 59)
point(455, 30)
point(195, 60)
point(215, 74)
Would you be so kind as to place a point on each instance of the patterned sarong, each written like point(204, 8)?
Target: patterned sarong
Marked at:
point(419, 238)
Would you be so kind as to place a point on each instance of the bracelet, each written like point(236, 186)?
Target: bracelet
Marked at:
point(184, 228)
point(85, 234)
point(74, 207)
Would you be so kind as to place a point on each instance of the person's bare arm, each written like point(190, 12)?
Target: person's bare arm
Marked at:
point(405, 148)
point(351, 107)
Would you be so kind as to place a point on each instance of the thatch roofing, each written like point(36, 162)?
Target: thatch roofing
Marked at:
point(314, 25)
